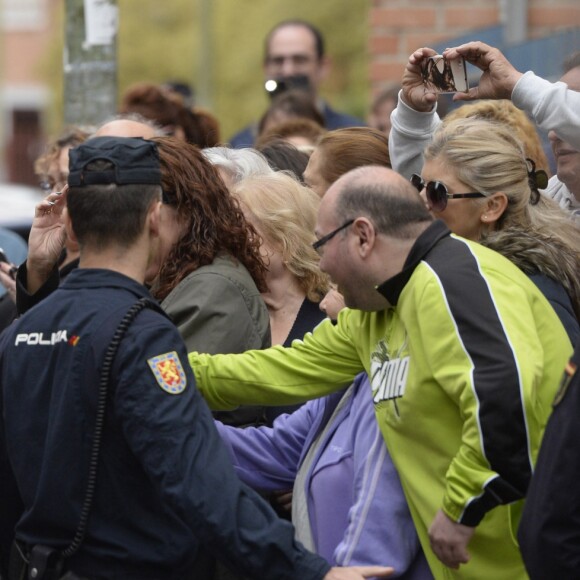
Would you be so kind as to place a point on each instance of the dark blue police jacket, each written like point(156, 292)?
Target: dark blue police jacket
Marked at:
point(165, 483)
point(332, 120)
point(549, 531)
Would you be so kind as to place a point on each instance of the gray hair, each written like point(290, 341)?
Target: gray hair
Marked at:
point(238, 163)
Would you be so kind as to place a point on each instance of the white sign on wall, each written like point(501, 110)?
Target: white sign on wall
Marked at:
point(101, 18)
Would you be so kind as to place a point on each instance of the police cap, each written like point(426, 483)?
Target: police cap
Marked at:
point(134, 160)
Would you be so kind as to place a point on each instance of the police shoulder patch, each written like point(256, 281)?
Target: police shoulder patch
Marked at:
point(168, 372)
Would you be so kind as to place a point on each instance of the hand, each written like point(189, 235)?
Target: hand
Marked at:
point(499, 76)
point(415, 92)
point(358, 572)
point(332, 303)
point(46, 239)
point(6, 279)
point(449, 540)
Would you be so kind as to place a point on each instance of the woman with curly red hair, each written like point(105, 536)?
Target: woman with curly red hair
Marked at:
point(208, 273)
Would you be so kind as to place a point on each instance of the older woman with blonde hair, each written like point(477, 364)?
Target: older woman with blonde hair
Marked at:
point(283, 212)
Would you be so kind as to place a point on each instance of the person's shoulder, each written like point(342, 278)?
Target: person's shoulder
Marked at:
point(224, 271)
point(229, 267)
point(338, 120)
point(225, 282)
point(245, 137)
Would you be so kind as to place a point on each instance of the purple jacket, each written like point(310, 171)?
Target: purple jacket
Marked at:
point(358, 513)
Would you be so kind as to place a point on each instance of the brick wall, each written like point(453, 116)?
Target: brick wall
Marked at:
point(397, 27)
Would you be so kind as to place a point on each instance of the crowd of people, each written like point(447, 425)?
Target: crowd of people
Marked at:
point(322, 350)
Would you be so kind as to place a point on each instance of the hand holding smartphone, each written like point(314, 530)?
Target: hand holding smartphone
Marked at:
point(441, 75)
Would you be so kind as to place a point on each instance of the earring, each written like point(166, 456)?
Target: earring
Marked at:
point(484, 217)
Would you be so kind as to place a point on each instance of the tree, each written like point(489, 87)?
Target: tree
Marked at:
point(159, 41)
point(90, 63)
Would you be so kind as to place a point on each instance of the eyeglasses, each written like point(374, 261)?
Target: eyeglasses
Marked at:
point(319, 243)
point(50, 184)
point(295, 59)
point(437, 194)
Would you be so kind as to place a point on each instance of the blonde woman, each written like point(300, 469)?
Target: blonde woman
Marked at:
point(477, 179)
point(283, 212)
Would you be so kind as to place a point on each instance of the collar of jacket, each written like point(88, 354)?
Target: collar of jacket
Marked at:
point(392, 288)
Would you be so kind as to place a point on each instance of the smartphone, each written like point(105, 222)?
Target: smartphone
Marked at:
point(4, 258)
point(445, 76)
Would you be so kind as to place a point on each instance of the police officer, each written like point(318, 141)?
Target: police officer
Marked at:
point(110, 448)
point(549, 532)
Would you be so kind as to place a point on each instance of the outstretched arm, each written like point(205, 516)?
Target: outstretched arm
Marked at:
point(414, 120)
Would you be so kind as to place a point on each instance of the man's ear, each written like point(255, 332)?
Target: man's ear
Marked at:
point(69, 228)
point(365, 234)
point(154, 218)
point(493, 208)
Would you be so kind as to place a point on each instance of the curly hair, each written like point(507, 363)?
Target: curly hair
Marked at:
point(214, 219)
point(166, 108)
point(285, 213)
point(70, 137)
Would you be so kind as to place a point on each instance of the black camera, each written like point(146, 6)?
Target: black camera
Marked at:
point(275, 87)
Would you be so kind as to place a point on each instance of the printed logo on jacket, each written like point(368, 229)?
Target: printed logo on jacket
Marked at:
point(45, 339)
point(388, 375)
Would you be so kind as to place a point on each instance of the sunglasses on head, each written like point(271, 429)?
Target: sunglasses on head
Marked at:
point(437, 194)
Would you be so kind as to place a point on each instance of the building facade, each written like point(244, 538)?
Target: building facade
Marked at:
point(534, 34)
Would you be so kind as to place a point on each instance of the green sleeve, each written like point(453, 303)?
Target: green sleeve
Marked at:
point(478, 360)
point(323, 362)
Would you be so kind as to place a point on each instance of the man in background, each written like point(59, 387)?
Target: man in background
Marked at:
point(565, 187)
point(295, 54)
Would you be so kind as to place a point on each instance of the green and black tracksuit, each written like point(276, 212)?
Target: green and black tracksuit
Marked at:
point(463, 368)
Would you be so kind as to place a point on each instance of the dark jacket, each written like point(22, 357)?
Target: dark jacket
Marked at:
point(165, 484)
point(332, 120)
point(549, 532)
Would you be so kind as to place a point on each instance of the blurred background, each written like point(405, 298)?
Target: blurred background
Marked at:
point(216, 46)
